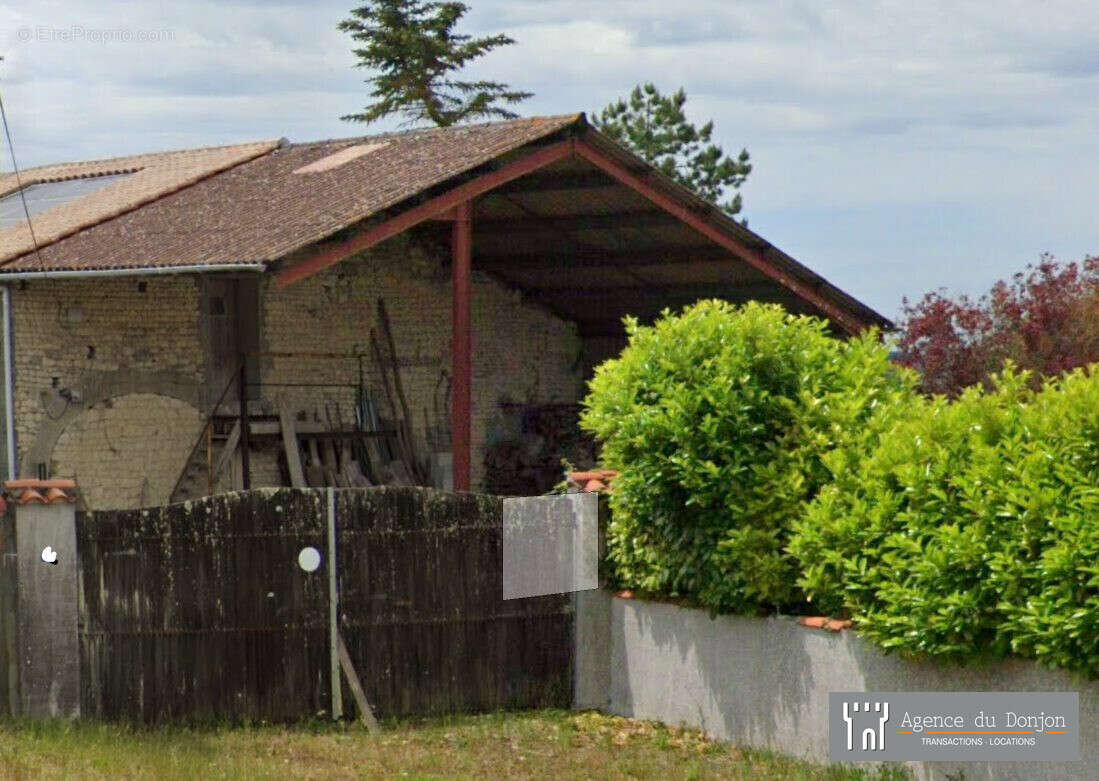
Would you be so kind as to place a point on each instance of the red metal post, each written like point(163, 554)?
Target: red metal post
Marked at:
point(461, 355)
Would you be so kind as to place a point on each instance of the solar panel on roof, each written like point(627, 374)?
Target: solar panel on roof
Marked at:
point(44, 196)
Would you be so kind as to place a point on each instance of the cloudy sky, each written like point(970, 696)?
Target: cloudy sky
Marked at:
point(898, 146)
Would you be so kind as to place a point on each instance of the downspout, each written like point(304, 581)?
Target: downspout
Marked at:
point(9, 382)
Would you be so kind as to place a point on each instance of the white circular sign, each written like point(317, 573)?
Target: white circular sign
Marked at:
point(309, 559)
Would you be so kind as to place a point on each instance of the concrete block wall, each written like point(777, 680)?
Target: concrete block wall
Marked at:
point(764, 682)
point(127, 450)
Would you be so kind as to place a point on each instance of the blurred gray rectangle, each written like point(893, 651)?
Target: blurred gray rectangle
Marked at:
point(551, 544)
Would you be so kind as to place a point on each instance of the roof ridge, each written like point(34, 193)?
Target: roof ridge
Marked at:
point(433, 130)
point(574, 116)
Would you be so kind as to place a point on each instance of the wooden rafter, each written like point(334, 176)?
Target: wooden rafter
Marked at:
point(509, 226)
point(696, 221)
point(553, 261)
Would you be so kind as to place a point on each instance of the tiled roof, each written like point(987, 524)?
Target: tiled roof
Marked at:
point(279, 202)
point(152, 176)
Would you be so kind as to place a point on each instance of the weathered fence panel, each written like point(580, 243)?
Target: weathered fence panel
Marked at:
point(422, 608)
point(200, 611)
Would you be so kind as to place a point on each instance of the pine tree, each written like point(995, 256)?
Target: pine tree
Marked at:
point(655, 126)
point(416, 52)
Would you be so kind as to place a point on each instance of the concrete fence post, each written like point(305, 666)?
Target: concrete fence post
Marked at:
point(592, 649)
point(47, 598)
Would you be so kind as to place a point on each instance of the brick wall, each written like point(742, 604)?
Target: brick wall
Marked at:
point(83, 332)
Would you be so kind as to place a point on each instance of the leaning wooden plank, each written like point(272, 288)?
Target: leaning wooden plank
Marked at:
point(353, 475)
point(314, 473)
point(400, 445)
point(238, 472)
point(225, 457)
point(329, 461)
point(401, 475)
point(365, 713)
point(383, 373)
point(290, 445)
point(414, 464)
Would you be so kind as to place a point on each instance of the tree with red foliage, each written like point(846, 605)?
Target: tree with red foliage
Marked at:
point(1046, 319)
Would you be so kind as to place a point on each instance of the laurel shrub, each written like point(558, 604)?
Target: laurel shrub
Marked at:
point(719, 420)
point(971, 529)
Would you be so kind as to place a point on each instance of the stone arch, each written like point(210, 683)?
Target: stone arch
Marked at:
point(155, 417)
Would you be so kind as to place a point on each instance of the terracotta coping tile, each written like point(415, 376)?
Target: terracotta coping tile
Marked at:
point(30, 496)
point(824, 622)
point(593, 482)
point(26, 482)
point(56, 496)
point(33, 491)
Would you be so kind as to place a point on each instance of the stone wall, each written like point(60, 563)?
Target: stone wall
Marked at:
point(68, 331)
point(521, 352)
point(131, 350)
point(107, 378)
point(99, 447)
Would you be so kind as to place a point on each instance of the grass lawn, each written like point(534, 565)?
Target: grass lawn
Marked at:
point(539, 744)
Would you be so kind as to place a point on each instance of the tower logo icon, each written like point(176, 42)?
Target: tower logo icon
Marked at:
point(873, 734)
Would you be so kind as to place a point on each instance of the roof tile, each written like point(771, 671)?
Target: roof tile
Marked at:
point(25, 482)
point(57, 496)
point(257, 211)
point(153, 176)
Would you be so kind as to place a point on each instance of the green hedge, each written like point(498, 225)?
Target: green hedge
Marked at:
point(765, 464)
point(971, 529)
point(719, 420)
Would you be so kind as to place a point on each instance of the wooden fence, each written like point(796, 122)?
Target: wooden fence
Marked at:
point(199, 610)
